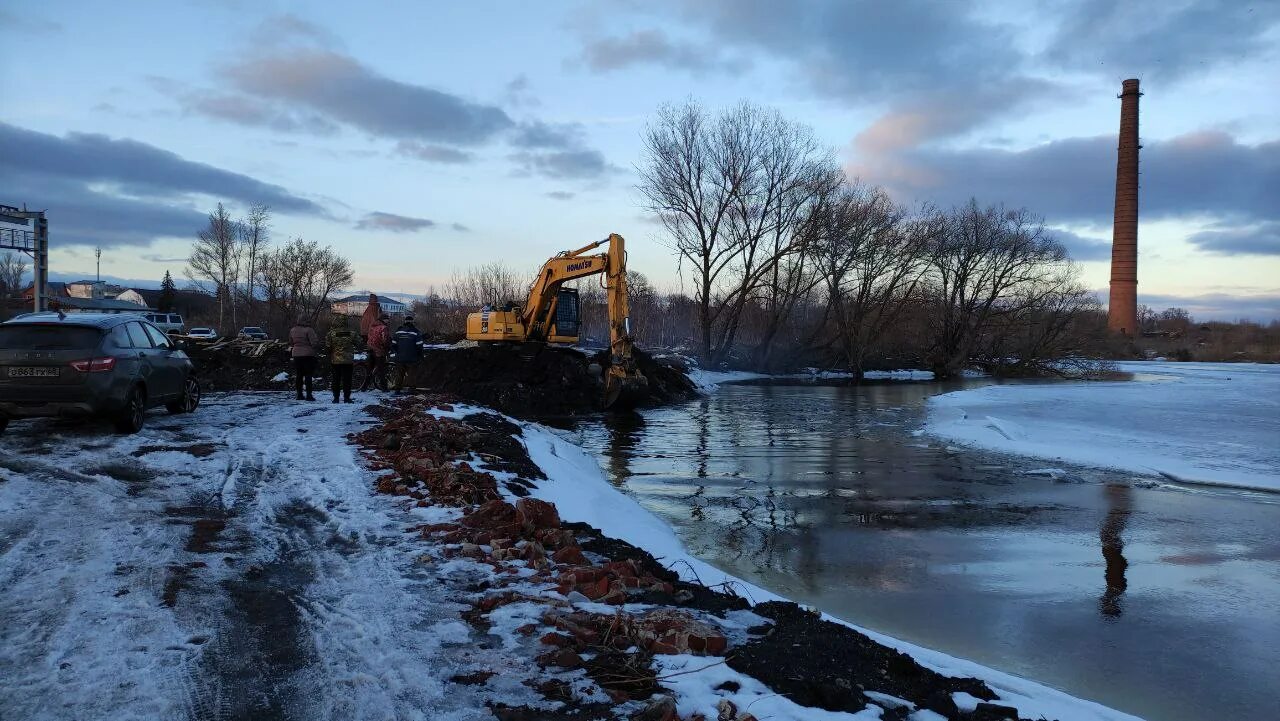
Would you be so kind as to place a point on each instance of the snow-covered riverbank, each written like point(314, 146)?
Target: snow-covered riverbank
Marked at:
point(578, 487)
point(1216, 423)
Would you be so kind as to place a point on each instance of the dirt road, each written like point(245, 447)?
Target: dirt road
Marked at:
point(231, 564)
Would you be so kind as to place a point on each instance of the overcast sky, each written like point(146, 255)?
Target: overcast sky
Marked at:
point(422, 137)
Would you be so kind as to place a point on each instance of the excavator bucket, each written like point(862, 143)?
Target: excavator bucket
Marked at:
point(623, 389)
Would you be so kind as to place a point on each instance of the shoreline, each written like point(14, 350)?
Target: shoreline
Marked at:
point(574, 485)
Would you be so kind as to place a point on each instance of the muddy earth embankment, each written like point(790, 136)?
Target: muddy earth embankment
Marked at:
point(525, 381)
point(584, 616)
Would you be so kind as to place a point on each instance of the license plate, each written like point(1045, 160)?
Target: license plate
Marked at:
point(45, 372)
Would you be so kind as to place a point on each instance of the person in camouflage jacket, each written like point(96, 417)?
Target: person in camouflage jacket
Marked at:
point(342, 351)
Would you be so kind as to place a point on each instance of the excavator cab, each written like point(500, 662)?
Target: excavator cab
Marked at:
point(564, 317)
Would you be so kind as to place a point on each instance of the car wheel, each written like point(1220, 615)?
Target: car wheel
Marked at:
point(190, 398)
point(134, 414)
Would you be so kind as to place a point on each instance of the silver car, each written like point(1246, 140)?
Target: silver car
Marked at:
point(86, 364)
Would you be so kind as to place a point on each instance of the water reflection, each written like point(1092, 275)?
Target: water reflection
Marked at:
point(825, 495)
point(1119, 500)
point(625, 431)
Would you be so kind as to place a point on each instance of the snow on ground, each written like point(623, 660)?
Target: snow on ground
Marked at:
point(581, 493)
point(1215, 423)
point(707, 381)
point(231, 563)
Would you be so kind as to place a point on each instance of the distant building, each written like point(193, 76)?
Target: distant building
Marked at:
point(53, 289)
point(93, 289)
point(95, 305)
point(130, 295)
point(354, 305)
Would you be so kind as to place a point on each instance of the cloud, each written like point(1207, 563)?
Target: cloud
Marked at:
point(134, 167)
point(1217, 306)
point(1166, 40)
point(459, 227)
point(104, 191)
point(1204, 174)
point(518, 92)
point(563, 164)
point(556, 150)
point(343, 90)
point(854, 49)
point(538, 134)
point(1260, 239)
point(560, 195)
point(294, 79)
point(28, 23)
point(654, 47)
point(393, 223)
point(244, 110)
point(157, 258)
point(433, 153)
point(1082, 248)
point(947, 68)
point(288, 28)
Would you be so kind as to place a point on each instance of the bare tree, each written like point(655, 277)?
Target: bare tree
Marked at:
point(872, 257)
point(214, 264)
point(733, 192)
point(13, 268)
point(299, 278)
point(255, 238)
point(494, 282)
point(1056, 328)
point(987, 263)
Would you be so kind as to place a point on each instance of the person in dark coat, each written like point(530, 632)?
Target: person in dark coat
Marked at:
point(342, 351)
point(407, 343)
point(303, 343)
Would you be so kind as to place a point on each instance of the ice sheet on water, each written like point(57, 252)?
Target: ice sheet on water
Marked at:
point(1193, 422)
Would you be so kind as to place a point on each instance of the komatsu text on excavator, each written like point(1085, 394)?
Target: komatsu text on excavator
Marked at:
point(550, 314)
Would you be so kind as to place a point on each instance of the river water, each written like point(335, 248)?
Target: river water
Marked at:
point(1159, 600)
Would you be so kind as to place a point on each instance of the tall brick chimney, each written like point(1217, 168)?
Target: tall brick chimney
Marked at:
point(1122, 311)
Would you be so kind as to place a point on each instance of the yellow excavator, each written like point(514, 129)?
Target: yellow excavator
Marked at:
point(550, 314)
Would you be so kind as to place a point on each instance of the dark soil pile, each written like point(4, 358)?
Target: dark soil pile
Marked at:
point(536, 381)
point(819, 663)
point(235, 368)
point(526, 381)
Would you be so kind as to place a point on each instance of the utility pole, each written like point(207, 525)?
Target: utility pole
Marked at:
point(97, 253)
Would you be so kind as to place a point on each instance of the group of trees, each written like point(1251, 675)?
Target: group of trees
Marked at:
point(254, 283)
point(788, 257)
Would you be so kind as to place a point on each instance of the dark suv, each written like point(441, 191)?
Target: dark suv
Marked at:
point(85, 364)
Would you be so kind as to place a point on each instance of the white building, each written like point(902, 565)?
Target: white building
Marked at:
point(354, 305)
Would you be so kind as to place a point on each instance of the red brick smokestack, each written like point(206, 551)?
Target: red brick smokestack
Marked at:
point(1122, 311)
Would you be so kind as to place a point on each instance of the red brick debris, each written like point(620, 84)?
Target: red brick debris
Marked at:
point(427, 461)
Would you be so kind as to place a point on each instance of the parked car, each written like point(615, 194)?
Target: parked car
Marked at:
point(90, 364)
point(167, 322)
point(253, 332)
point(202, 334)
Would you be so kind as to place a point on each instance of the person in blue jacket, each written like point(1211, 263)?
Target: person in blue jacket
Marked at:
point(407, 343)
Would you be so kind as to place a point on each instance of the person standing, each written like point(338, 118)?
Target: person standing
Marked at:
point(302, 347)
point(372, 312)
point(408, 344)
point(377, 348)
point(342, 357)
